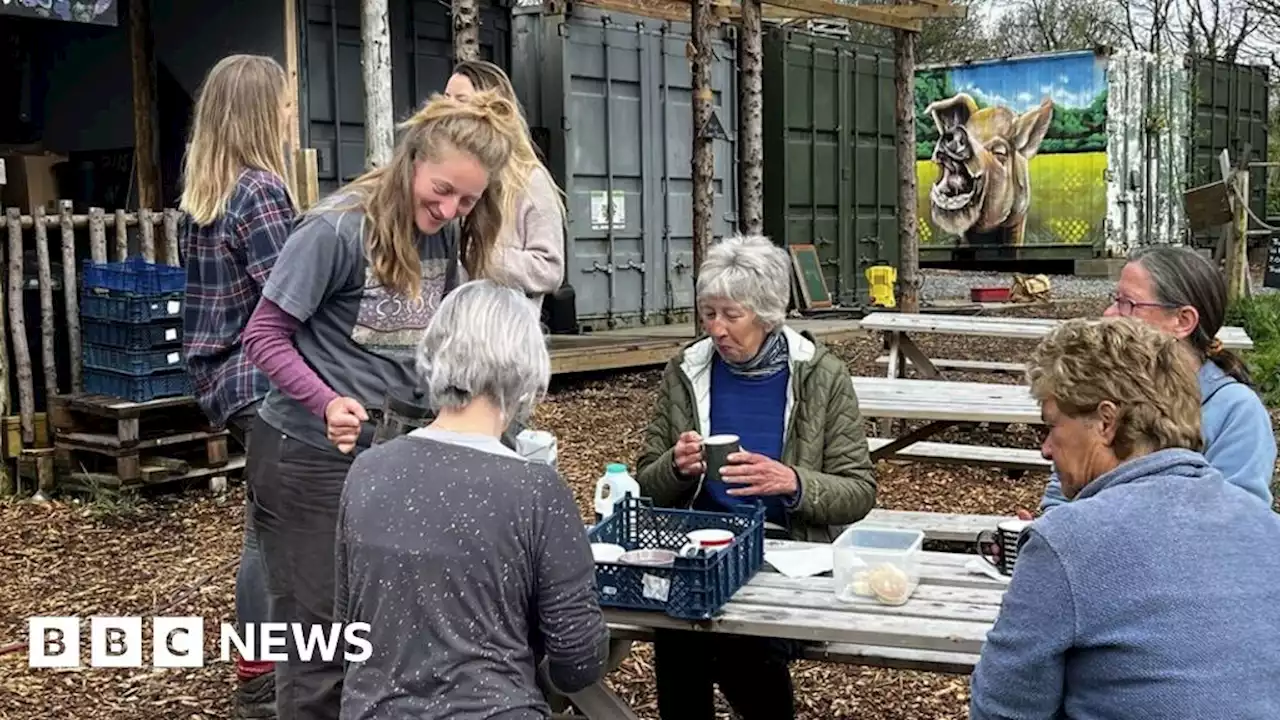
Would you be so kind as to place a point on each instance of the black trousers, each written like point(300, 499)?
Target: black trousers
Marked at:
point(753, 675)
point(296, 492)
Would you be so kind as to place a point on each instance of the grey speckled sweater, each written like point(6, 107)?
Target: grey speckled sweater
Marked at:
point(470, 564)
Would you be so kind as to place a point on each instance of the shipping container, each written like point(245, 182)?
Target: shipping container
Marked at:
point(610, 97)
point(830, 154)
point(332, 83)
point(1079, 155)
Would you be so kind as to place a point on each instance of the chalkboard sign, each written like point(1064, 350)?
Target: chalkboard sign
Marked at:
point(813, 286)
point(1271, 278)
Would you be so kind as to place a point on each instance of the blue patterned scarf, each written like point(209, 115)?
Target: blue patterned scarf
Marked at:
point(771, 359)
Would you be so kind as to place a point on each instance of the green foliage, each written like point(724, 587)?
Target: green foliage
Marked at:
point(1070, 130)
point(1260, 317)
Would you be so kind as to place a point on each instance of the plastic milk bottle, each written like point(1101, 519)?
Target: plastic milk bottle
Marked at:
point(619, 484)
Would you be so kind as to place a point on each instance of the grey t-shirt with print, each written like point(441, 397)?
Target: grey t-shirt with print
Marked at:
point(358, 336)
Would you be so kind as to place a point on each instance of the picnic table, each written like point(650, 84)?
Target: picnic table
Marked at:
point(897, 329)
point(944, 404)
point(942, 628)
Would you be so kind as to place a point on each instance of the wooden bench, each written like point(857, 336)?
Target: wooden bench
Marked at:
point(885, 657)
point(970, 365)
point(944, 527)
point(953, 454)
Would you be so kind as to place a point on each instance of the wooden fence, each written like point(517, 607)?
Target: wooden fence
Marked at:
point(109, 239)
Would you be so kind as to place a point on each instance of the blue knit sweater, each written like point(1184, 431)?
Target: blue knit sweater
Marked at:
point(1155, 594)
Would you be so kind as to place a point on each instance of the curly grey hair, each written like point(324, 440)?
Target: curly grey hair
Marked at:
point(751, 271)
point(485, 341)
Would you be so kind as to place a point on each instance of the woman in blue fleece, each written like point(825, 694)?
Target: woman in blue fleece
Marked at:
point(1177, 290)
point(1153, 593)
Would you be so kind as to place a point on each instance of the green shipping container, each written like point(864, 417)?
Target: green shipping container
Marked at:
point(830, 160)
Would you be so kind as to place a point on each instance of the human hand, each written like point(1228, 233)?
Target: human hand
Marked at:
point(687, 454)
point(342, 418)
point(758, 475)
point(1025, 515)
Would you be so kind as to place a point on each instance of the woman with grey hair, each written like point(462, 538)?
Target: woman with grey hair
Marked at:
point(1177, 290)
point(469, 563)
point(804, 458)
point(1152, 593)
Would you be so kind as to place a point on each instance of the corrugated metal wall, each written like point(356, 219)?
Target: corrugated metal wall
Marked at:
point(830, 177)
point(611, 97)
point(1231, 107)
point(421, 60)
point(1147, 129)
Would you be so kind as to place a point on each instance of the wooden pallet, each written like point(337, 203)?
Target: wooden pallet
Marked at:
point(113, 441)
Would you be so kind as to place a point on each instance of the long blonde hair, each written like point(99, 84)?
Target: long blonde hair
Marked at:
point(479, 233)
point(238, 123)
point(484, 126)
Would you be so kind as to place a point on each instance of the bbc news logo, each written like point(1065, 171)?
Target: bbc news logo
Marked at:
point(178, 642)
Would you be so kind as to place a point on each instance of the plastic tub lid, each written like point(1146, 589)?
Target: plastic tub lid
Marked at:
point(615, 468)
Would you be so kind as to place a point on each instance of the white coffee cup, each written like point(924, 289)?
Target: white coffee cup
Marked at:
point(709, 540)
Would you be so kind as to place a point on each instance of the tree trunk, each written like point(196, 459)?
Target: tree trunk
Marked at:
point(703, 149)
point(466, 30)
point(375, 52)
point(142, 57)
point(904, 62)
point(750, 112)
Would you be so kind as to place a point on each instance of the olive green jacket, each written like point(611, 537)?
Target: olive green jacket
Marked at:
point(824, 441)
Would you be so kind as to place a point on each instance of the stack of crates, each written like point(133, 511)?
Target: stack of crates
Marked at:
point(131, 328)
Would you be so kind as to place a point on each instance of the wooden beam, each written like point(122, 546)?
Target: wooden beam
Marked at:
point(703, 161)
point(291, 73)
point(142, 58)
point(751, 117)
point(904, 68)
point(903, 17)
point(375, 44)
point(857, 13)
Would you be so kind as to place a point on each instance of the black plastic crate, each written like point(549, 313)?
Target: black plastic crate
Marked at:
point(99, 305)
point(139, 388)
point(164, 333)
point(691, 588)
point(133, 362)
point(134, 276)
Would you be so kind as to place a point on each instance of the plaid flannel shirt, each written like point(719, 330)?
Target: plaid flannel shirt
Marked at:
point(227, 264)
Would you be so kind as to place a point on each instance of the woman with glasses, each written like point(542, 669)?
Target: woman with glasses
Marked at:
point(1177, 290)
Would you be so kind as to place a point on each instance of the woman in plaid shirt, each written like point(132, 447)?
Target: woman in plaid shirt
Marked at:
point(239, 213)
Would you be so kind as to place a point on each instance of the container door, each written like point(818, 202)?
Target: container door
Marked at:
point(611, 94)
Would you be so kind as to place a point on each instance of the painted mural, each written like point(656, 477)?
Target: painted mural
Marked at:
point(1012, 152)
point(96, 12)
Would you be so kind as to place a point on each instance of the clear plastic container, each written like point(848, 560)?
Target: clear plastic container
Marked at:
point(877, 563)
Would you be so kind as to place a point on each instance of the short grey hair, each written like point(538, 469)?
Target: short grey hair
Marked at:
point(485, 340)
point(751, 271)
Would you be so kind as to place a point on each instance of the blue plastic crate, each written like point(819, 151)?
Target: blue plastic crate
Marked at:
point(136, 389)
point(99, 305)
point(134, 276)
point(132, 362)
point(132, 337)
point(693, 588)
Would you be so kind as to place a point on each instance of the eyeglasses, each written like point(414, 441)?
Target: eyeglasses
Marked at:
point(1127, 306)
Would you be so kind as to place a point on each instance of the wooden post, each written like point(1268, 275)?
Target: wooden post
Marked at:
point(122, 236)
point(44, 282)
point(703, 151)
point(146, 234)
point(375, 53)
point(466, 30)
point(18, 323)
point(70, 289)
point(751, 116)
point(172, 254)
point(142, 56)
point(1238, 245)
point(904, 68)
point(97, 235)
point(291, 72)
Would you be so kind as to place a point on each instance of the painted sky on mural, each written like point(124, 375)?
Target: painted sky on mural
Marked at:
point(1071, 80)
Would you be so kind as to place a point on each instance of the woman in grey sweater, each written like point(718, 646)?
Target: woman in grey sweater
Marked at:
point(470, 564)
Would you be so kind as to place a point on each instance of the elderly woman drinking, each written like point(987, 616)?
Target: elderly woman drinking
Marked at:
point(469, 563)
point(1152, 593)
point(804, 458)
